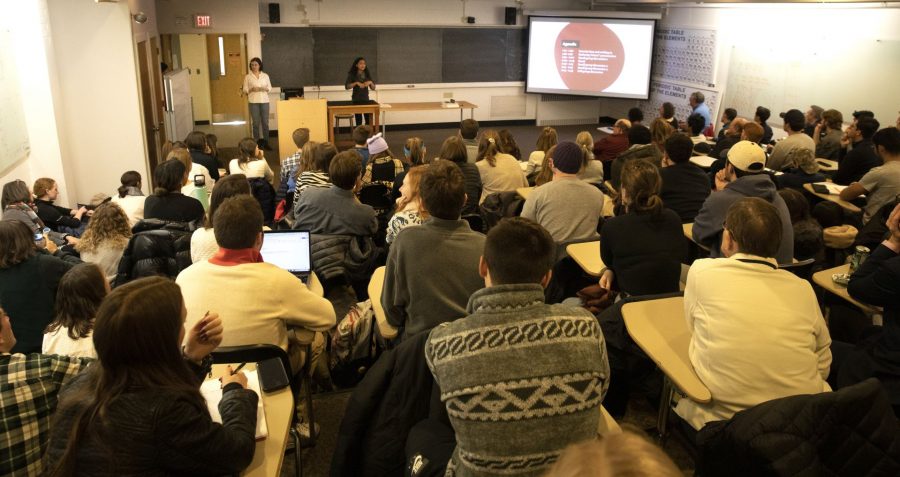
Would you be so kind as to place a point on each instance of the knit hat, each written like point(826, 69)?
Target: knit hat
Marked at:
point(747, 156)
point(567, 157)
point(376, 144)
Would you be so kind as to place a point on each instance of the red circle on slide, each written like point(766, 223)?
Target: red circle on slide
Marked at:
point(595, 63)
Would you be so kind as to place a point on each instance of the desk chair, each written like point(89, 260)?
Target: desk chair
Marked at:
point(803, 268)
point(261, 352)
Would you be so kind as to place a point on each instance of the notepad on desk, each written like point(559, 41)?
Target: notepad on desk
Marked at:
point(605, 129)
point(833, 189)
point(211, 390)
point(449, 105)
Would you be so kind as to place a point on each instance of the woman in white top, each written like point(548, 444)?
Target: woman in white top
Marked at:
point(252, 163)
point(130, 197)
point(80, 292)
point(105, 239)
point(409, 207)
point(499, 172)
point(545, 141)
point(257, 87)
point(203, 240)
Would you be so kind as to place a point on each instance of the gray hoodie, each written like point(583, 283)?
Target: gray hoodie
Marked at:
point(708, 223)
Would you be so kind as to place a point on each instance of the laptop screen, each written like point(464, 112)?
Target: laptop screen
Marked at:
point(287, 249)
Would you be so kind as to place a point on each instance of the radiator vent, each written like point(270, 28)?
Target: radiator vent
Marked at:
point(508, 106)
point(550, 98)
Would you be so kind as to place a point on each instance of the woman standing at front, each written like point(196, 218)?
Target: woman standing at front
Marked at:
point(257, 87)
point(360, 81)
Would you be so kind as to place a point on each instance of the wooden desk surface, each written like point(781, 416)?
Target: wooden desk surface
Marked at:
point(823, 279)
point(587, 256)
point(688, 230)
point(372, 108)
point(827, 165)
point(524, 192)
point(376, 284)
point(833, 198)
point(703, 161)
point(426, 106)
point(279, 407)
point(659, 328)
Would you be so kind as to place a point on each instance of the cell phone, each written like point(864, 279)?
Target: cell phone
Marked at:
point(199, 180)
point(821, 189)
point(272, 375)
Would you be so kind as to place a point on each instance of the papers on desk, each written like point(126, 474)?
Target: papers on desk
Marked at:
point(449, 105)
point(703, 161)
point(607, 130)
point(211, 389)
point(833, 189)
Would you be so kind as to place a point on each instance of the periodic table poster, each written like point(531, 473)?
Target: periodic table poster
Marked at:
point(686, 55)
point(677, 94)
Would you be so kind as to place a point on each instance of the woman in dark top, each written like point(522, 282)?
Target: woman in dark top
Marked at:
point(200, 153)
point(360, 81)
point(167, 201)
point(57, 218)
point(29, 278)
point(138, 410)
point(508, 144)
point(454, 150)
point(642, 249)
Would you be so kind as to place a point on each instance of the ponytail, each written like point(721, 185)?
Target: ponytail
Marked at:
point(641, 180)
point(489, 147)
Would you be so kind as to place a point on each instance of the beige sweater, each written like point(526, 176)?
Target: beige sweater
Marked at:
point(506, 175)
point(256, 302)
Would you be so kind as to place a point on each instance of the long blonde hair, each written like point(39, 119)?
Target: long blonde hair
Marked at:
point(108, 226)
point(307, 157)
point(546, 173)
point(415, 177)
point(586, 141)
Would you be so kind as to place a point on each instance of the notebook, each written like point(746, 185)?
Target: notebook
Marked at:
point(288, 250)
point(211, 390)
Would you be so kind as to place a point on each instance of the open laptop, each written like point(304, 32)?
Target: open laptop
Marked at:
point(288, 249)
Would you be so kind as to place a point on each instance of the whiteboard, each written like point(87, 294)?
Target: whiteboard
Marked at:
point(863, 78)
point(13, 131)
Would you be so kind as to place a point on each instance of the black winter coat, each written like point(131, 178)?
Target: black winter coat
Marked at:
point(156, 248)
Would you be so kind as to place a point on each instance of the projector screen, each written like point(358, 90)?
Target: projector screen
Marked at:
point(604, 57)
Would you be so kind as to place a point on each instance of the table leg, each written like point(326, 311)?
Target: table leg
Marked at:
point(665, 404)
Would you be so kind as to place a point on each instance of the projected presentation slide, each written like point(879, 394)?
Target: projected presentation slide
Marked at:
point(590, 56)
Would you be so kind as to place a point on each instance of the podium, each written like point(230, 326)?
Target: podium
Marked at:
point(301, 113)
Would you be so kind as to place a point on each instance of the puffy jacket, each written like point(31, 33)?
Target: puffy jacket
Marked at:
point(157, 247)
point(499, 205)
point(851, 432)
point(348, 255)
point(265, 194)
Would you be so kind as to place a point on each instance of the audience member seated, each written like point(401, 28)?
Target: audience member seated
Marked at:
point(468, 131)
point(609, 147)
point(167, 202)
point(752, 132)
point(58, 218)
point(197, 185)
point(257, 301)
point(804, 169)
point(518, 376)
point(728, 137)
point(546, 173)
point(29, 386)
point(808, 235)
point(667, 113)
point(684, 185)
point(29, 278)
point(827, 135)
point(382, 168)
point(360, 135)
point(203, 240)
point(432, 269)
point(876, 282)
point(660, 131)
point(508, 144)
point(635, 116)
point(80, 293)
point(856, 162)
point(695, 124)
point(568, 208)
point(761, 116)
point(290, 166)
point(813, 118)
point(200, 153)
point(17, 205)
point(698, 106)
point(757, 332)
point(105, 239)
point(499, 171)
point(881, 185)
point(138, 410)
point(409, 205)
point(130, 197)
point(642, 249)
point(252, 163)
point(620, 454)
point(641, 148)
point(547, 139)
point(314, 168)
point(414, 154)
point(728, 117)
point(781, 154)
point(454, 150)
point(335, 210)
point(591, 169)
point(742, 177)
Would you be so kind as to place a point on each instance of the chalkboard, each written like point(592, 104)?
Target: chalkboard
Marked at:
point(303, 56)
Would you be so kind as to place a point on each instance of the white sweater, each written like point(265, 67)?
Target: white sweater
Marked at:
point(256, 302)
point(59, 342)
point(757, 335)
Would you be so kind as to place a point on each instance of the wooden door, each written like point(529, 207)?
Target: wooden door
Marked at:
point(227, 55)
point(151, 130)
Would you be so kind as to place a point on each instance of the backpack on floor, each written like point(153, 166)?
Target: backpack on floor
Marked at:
point(354, 345)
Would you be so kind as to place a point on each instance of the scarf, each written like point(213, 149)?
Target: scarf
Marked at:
point(37, 223)
point(229, 257)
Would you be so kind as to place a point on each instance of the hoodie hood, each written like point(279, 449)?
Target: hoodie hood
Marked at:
point(756, 185)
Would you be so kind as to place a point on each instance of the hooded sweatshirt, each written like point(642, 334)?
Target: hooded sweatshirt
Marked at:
point(708, 223)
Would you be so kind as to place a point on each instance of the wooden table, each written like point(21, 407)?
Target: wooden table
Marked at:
point(823, 279)
point(524, 192)
point(703, 161)
point(688, 230)
point(587, 256)
point(833, 198)
point(347, 107)
point(279, 408)
point(827, 165)
point(426, 106)
point(376, 284)
point(660, 329)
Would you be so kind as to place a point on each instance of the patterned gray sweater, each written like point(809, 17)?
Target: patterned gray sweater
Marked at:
point(521, 380)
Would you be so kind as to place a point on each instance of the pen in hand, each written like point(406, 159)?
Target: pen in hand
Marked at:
point(235, 370)
point(203, 337)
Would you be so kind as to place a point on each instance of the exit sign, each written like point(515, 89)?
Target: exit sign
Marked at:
point(202, 21)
